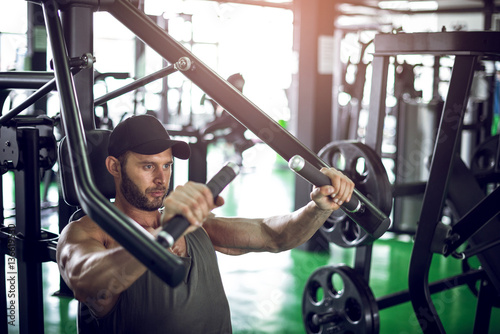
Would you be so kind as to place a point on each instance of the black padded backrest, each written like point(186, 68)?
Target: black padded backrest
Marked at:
point(97, 151)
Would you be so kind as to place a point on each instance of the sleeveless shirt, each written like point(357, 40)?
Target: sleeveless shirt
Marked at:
point(197, 305)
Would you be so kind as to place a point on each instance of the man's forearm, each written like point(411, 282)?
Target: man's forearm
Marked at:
point(298, 227)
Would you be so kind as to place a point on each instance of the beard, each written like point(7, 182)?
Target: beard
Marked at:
point(136, 198)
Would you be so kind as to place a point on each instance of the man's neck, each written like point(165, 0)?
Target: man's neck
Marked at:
point(147, 219)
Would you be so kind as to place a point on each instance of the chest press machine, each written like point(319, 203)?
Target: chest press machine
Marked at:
point(77, 111)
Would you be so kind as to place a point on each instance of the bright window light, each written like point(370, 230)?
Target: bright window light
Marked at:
point(423, 5)
point(408, 5)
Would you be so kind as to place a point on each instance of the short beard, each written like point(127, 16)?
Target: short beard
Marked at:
point(135, 197)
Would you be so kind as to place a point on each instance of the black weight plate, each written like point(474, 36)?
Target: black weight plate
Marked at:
point(364, 167)
point(485, 161)
point(338, 300)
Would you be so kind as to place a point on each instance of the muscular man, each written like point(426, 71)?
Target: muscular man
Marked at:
point(117, 293)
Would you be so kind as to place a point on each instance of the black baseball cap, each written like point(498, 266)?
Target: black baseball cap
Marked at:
point(144, 134)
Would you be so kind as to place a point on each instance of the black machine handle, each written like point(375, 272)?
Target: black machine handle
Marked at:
point(314, 176)
point(359, 209)
point(178, 224)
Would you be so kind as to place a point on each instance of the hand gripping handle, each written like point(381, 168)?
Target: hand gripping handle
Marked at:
point(178, 224)
point(359, 209)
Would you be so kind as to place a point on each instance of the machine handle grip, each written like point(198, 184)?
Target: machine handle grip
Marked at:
point(178, 224)
point(359, 209)
point(310, 173)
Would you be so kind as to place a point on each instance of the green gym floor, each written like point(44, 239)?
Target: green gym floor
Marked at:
point(265, 290)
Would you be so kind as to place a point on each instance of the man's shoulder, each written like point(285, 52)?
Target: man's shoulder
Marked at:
point(83, 222)
point(84, 227)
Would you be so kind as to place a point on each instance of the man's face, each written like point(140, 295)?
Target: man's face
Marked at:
point(145, 179)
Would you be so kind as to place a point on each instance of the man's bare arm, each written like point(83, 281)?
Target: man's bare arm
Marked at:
point(95, 268)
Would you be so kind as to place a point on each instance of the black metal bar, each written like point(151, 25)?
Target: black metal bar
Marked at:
point(486, 295)
point(435, 194)
point(479, 249)
point(198, 161)
point(227, 96)
point(476, 218)
point(36, 53)
point(126, 232)
point(28, 228)
point(41, 92)
point(134, 85)
point(24, 79)
point(401, 297)
point(363, 260)
point(77, 21)
point(462, 202)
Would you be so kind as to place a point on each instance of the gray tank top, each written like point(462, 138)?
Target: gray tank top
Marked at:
point(197, 305)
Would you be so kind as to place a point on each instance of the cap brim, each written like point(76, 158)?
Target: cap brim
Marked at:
point(180, 149)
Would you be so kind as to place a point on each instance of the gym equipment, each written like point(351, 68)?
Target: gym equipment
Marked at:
point(97, 143)
point(337, 300)
point(224, 125)
point(226, 95)
point(485, 162)
point(29, 148)
point(362, 165)
point(468, 266)
point(92, 202)
point(475, 213)
point(139, 83)
point(138, 242)
point(467, 47)
point(347, 116)
point(177, 225)
point(323, 309)
point(77, 118)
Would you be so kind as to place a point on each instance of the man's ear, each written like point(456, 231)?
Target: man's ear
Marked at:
point(113, 166)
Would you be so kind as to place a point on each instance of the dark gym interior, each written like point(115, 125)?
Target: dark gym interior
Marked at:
point(401, 96)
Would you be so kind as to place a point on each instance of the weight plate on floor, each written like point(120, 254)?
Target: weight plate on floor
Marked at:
point(364, 167)
point(338, 300)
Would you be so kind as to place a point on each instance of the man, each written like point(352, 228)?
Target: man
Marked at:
point(118, 294)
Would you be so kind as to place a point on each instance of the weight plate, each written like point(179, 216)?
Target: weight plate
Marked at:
point(364, 167)
point(485, 161)
point(338, 300)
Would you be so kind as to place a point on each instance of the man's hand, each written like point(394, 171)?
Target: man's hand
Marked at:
point(332, 196)
point(193, 200)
